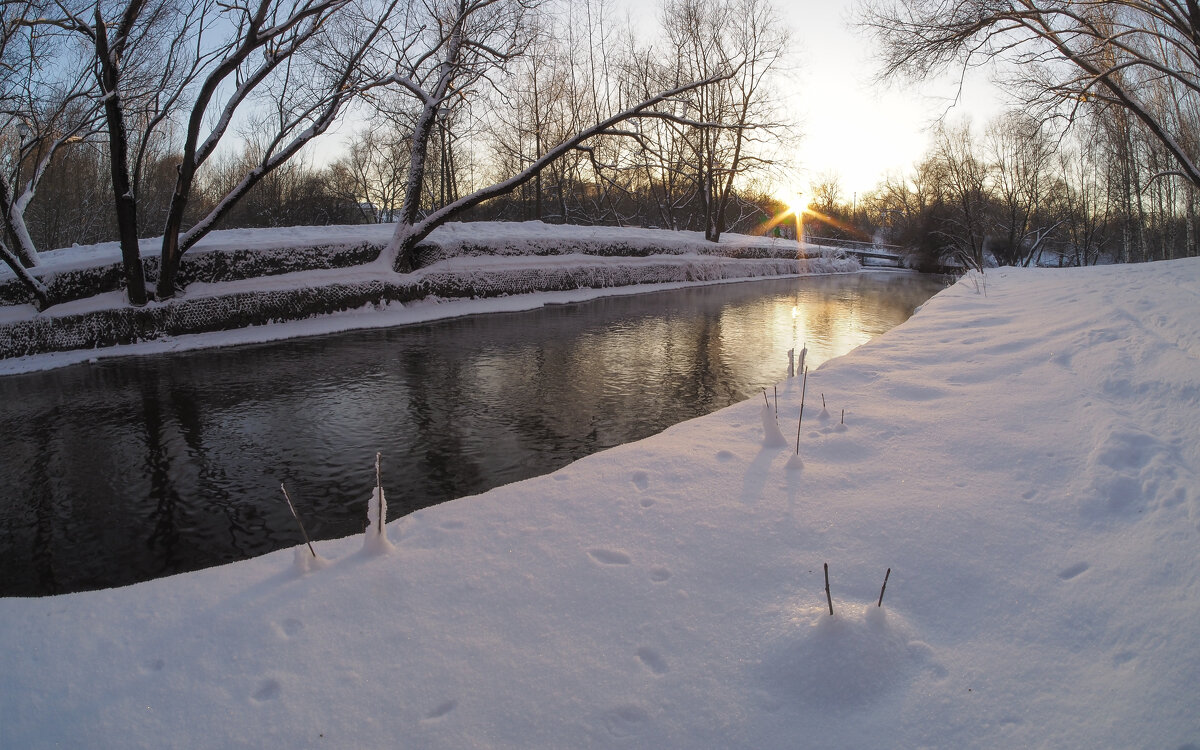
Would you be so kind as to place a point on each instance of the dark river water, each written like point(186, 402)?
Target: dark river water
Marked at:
point(130, 469)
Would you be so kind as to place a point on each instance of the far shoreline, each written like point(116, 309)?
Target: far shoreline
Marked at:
point(369, 317)
point(265, 285)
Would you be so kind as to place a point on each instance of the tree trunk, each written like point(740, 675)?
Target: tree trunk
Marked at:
point(30, 281)
point(14, 223)
point(1189, 249)
point(126, 204)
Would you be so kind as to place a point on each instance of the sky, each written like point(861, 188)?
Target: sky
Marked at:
point(850, 125)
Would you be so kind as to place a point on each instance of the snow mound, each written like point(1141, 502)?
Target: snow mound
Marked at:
point(846, 660)
point(303, 561)
point(772, 435)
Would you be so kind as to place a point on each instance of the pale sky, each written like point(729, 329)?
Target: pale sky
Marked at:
point(850, 126)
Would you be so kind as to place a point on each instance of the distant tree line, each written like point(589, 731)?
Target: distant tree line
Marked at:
point(1013, 192)
point(1103, 158)
point(161, 118)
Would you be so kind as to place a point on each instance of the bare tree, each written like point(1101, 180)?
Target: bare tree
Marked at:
point(46, 103)
point(1065, 54)
point(305, 94)
point(758, 43)
point(154, 59)
point(692, 171)
point(443, 58)
point(371, 172)
point(1021, 155)
point(964, 183)
point(1083, 204)
point(123, 37)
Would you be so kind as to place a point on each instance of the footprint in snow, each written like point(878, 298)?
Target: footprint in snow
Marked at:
point(1077, 569)
point(153, 665)
point(641, 480)
point(659, 575)
point(625, 721)
point(268, 690)
point(610, 556)
point(653, 660)
point(441, 710)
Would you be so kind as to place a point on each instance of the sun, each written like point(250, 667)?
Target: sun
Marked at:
point(788, 220)
point(793, 198)
point(796, 205)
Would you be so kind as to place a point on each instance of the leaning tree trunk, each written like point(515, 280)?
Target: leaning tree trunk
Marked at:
point(15, 224)
point(31, 282)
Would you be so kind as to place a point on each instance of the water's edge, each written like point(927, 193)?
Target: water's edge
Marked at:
point(138, 467)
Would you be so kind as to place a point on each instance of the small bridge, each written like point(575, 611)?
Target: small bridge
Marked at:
point(891, 255)
point(881, 255)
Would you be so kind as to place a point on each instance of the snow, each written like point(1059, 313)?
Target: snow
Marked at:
point(1024, 461)
point(511, 238)
point(375, 538)
point(772, 435)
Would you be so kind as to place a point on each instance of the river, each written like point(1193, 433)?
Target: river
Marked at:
point(129, 469)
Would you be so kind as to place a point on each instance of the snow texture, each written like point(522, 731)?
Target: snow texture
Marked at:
point(1026, 462)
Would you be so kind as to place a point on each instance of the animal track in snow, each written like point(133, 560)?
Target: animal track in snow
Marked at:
point(915, 392)
point(724, 456)
point(610, 556)
point(268, 690)
point(653, 660)
point(153, 665)
point(441, 710)
point(625, 721)
point(641, 480)
point(658, 575)
point(1075, 570)
point(292, 626)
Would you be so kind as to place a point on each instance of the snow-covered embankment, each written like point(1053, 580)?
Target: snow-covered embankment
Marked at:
point(240, 279)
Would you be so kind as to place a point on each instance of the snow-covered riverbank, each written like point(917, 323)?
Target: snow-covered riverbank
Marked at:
point(1022, 454)
point(246, 282)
